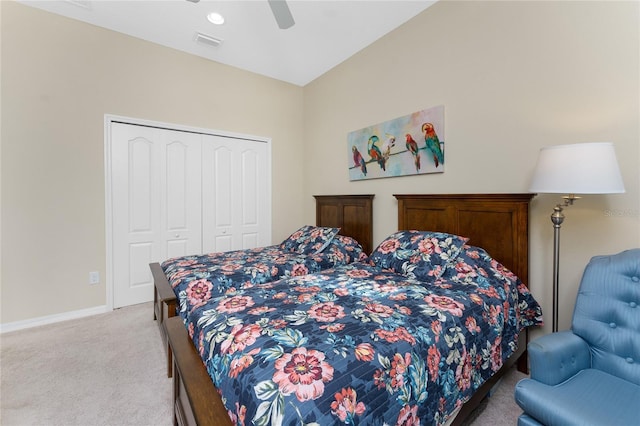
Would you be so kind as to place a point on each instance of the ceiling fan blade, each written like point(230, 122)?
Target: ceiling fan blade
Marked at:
point(282, 13)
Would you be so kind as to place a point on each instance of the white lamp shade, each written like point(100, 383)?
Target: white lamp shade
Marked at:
point(583, 168)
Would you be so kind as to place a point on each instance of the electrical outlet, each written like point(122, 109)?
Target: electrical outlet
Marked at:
point(94, 277)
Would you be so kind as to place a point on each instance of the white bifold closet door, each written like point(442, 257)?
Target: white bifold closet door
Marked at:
point(176, 193)
point(235, 194)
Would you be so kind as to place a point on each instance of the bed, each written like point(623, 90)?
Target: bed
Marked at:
point(331, 347)
point(176, 280)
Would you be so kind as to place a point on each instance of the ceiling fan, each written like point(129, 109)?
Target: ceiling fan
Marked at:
point(280, 11)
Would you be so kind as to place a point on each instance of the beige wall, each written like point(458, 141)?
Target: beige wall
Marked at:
point(59, 78)
point(513, 77)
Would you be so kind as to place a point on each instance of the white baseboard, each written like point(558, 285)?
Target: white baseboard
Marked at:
point(50, 319)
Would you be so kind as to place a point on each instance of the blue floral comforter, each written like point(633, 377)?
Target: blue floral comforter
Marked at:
point(195, 279)
point(361, 343)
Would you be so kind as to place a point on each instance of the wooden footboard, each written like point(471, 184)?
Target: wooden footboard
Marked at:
point(164, 306)
point(195, 399)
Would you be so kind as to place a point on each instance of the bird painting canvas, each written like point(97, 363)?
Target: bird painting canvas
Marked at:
point(377, 151)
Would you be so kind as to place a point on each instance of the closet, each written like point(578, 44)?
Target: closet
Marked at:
point(176, 192)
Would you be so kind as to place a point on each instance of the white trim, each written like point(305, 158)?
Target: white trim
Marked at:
point(50, 319)
point(108, 279)
point(110, 118)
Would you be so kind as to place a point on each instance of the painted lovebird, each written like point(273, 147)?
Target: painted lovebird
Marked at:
point(374, 151)
point(359, 160)
point(412, 147)
point(433, 143)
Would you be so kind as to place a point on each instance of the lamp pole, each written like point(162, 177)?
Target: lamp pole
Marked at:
point(557, 217)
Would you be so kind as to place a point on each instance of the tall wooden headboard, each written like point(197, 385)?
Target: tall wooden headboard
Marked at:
point(353, 214)
point(499, 223)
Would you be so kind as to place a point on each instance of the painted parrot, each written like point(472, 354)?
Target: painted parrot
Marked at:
point(412, 147)
point(390, 143)
point(375, 153)
point(433, 143)
point(359, 160)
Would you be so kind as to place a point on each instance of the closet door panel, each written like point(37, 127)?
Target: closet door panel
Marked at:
point(156, 214)
point(217, 193)
point(235, 188)
point(223, 193)
point(139, 253)
point(140, 189)
point(249, 170)
point(137, 236)
point(181, 200)
point(176, 174)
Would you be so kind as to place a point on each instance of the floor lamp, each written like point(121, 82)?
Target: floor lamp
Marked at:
point(584, 168)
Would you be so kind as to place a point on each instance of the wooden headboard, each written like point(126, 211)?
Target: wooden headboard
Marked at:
point(353, 214)
point(499, 223)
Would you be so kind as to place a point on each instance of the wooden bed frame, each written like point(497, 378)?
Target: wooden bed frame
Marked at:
point(353, 214)
point(499, 223)
point(496, 222)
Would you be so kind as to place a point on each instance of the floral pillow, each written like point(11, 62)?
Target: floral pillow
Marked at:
point(418, 254)
point(473, 261)
point(346, 249)
point(309, 239)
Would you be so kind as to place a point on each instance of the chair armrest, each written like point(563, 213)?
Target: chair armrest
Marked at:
point(558, 356)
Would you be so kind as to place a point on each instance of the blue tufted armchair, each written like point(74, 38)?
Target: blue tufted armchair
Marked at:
point(590, 375)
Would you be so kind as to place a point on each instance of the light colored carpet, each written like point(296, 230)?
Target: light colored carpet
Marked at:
point(109, 369)
point(502, 409)
point(106, 369)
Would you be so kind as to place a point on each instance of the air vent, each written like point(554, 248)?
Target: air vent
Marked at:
point(208, 40)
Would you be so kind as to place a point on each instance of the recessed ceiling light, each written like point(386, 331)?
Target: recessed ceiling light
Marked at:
point(215, 18)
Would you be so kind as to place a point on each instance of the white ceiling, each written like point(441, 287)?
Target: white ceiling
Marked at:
point(325, 33)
